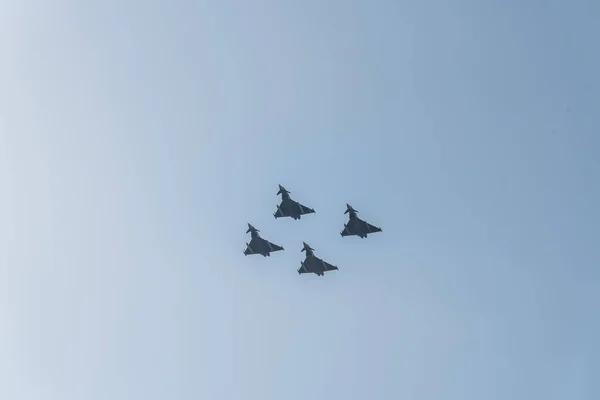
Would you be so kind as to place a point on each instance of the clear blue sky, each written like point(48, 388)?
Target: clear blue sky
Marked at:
point(137, 139)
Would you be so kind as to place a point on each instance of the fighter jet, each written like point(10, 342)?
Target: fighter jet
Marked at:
point(313, 264)
point(259, 245)
point(357, 226)
point(289, 207)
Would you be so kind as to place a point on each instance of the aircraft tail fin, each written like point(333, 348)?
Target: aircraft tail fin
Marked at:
point(350, 209)
point(306, 247)
point(283, 190)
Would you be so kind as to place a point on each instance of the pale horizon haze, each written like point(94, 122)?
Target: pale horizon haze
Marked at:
point(138, 139)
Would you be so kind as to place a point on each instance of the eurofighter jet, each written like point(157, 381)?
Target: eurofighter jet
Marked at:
point(357, 226)
point(313, 264)
point(289, 207)
point(259, 245)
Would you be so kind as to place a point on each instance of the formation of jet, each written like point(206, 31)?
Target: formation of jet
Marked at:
point(357, 226)
point(259, 245)
point(291, 208)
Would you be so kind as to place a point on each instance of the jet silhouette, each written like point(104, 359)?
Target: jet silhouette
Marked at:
point(289, 207)
point(313, 264)
point(259, 245)
point(357, 226)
